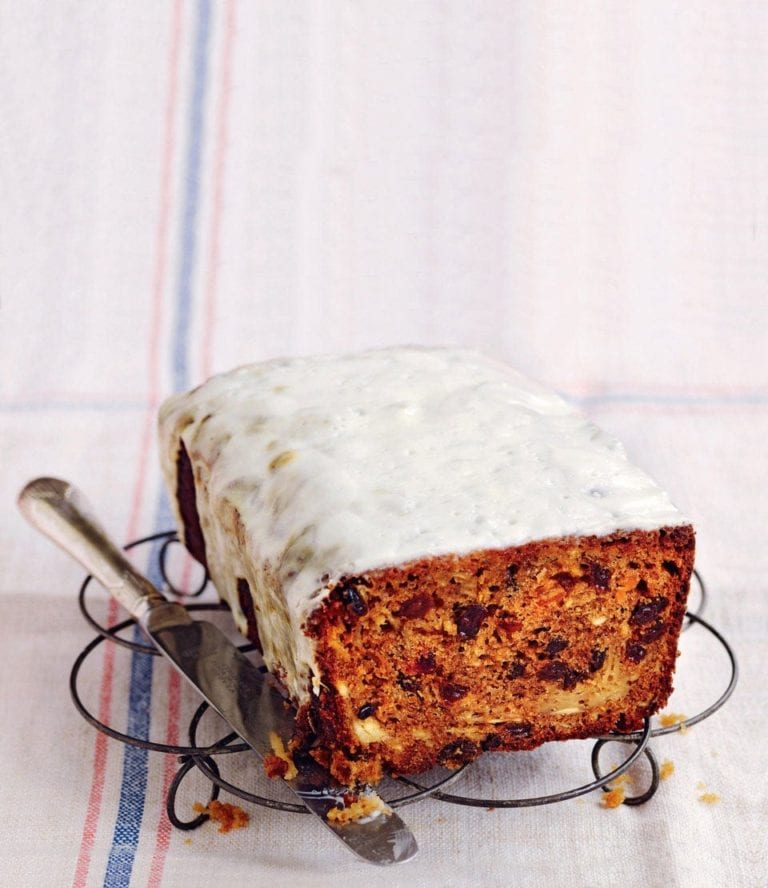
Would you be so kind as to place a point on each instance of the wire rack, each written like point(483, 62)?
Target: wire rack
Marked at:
point(208, 759)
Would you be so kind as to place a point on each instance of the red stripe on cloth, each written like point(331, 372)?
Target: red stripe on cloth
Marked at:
point(222, 133)
point(164, 828)
point(158, 283)
point(99, 759)
point(93, 810)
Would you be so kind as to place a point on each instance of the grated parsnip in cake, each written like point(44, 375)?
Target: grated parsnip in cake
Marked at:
point(436, 555)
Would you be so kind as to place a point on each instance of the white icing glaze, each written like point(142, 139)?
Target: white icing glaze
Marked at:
point(340, 465)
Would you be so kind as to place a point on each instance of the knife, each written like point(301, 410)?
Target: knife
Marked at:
point(225, 677)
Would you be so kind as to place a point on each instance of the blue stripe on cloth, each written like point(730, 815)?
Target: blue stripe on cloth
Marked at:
point(191, 195)
point(134, 781)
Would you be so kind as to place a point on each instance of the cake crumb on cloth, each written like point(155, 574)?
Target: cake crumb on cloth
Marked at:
point(613, 798)
point(228, 816)
point(666, 770)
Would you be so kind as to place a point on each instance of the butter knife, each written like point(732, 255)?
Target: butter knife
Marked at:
point(225, 677)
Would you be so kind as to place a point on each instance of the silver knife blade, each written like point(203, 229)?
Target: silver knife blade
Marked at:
point(225, 677)
point(256, 711)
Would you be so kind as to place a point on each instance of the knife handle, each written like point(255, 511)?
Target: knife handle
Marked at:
point(59, 510)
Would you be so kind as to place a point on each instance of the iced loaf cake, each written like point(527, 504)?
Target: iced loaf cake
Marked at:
point(436, 555)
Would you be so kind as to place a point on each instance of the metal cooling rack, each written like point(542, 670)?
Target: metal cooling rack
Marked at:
point(207, 759)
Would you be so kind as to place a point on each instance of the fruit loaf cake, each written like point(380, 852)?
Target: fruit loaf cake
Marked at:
point(436, 555)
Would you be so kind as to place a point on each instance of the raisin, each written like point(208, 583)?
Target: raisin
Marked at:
point(671, 568)
point(571, 679)
point(635, 652)
point(416, 607)
point(366, 710)
point(512, 571)
point(557, 644)
point(507, 734)
point(597, 575)
point(566, 580)
point(469, 619)
point(459, 752)
point(516, 670)
point(453, 692)
point(407, 683)
point(651, 633)
point(516, 729)
point(559, 671)
point(425, 663)
point(642, 586)
point(647, 611)
point(353, 599)
point(596, 659)
point(680, 537)
point(553, 671)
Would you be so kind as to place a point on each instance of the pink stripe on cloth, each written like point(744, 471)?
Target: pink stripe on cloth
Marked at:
point(164, 827)
point(222, 130)
point(99, 759)
point(93, 811)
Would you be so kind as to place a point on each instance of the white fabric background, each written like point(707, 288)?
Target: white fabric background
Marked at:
point(579, 188)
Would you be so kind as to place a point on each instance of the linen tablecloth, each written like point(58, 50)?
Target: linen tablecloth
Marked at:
point(580, 189)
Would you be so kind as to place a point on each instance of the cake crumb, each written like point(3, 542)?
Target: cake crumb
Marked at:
point(622, 780)
point(668, 719)
point(365, 806)
point(666, 770)
point(279, 763)
point(709, 798)
point(613, 798)
point(616, 792)
point(187, 841)
point(228, 816)
point(701, 785)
